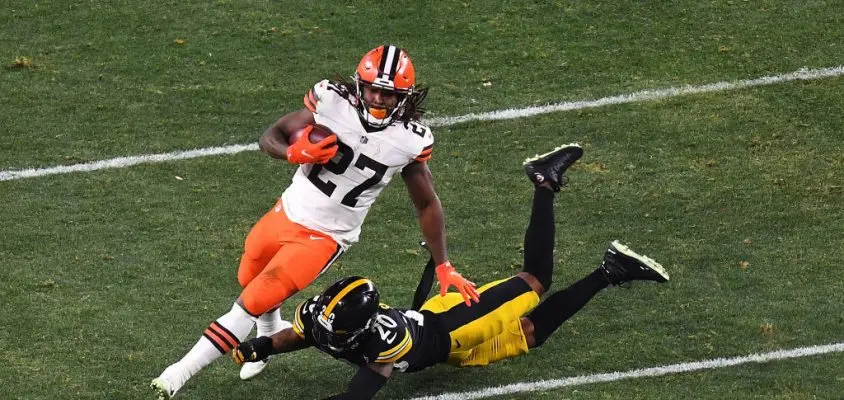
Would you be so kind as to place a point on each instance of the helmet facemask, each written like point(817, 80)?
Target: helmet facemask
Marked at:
point(339, 339)
point(376, 117)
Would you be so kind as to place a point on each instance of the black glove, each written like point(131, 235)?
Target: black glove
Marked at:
point(252, 350)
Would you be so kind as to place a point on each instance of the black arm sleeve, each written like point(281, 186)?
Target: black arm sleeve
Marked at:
point(424, 287)
point(363, 386)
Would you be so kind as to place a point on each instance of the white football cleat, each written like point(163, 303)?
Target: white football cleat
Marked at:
point(162, 389)
point(252, 369)
point(168, 383)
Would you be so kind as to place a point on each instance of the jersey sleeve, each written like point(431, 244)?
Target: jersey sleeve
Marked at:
point(325, 97)
point(426, 141)
point(425, 154)
point(396, 352)
point(392, 338)
point(315, 94)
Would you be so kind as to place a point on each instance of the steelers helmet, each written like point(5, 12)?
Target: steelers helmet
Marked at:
point(388, 68)
point(344, 313)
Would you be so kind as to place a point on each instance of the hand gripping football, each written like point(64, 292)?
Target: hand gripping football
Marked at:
point(316, 133)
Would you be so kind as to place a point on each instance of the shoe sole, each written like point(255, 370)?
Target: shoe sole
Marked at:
point(540, 156)
point(649, 262)
point(160, 391)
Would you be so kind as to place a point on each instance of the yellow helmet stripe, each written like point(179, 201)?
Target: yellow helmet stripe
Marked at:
point(298, 326)
point(340, 296)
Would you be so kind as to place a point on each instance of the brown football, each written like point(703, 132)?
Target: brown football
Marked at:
point(318, 133)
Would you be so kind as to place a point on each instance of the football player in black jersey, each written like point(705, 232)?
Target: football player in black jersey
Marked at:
point(348, 321)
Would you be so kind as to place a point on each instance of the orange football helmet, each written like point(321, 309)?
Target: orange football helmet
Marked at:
point(388, 68)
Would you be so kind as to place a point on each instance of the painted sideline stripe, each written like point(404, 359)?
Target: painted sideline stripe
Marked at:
point(642, 96)
point(123, 162)
point(512, 113)
point(638, 373)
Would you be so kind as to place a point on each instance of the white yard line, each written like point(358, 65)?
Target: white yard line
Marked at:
point(638, 373)
point(123, 162)
point(512, 113)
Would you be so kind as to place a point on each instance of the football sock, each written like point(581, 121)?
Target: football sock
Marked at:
point(269, 322)
point(539, 237)
point(219, 338)
point(560, 306)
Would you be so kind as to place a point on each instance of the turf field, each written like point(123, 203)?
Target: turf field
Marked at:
point(110, 275)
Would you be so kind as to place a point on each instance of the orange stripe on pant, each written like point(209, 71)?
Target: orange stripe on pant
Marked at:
point(281, 258)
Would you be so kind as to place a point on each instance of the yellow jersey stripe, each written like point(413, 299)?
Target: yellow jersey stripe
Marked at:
point(398, 351)
point(340, 296)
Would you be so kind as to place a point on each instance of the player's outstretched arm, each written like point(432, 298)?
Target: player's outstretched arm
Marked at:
point(274, 140)
point(261, 347)
point(366, 382)
point(420, 186)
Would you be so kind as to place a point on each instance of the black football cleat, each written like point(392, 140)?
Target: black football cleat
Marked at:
point(623, 265)
point(551, 166)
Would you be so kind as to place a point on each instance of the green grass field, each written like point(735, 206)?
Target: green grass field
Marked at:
point(109, 276)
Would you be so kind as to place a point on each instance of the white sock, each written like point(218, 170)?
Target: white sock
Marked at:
point(271, 322)
point(237, 323)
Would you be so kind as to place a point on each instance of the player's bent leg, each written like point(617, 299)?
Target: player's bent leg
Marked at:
point(501, 302)
point(299, 262)
point(539, 238)
point(261, 244)
point(292, 269)
point(440, 304)
point(219, 338)
point(266, 291)
point(620, 265)
point(533, 282)
point(512, 342)
point(546, 172)
point(562, 305)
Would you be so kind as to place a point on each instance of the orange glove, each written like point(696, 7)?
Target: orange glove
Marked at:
point(448, 277)
point(305, 152)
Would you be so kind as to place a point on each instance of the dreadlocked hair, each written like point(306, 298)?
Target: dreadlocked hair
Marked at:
point(415, 106)
point(348, 88)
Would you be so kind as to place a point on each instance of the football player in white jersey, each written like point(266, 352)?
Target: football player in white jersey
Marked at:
point(377, 134)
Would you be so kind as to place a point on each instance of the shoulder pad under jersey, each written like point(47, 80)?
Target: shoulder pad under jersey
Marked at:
point(323, 94)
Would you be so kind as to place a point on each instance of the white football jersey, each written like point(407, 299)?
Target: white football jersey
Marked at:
point(334, 198)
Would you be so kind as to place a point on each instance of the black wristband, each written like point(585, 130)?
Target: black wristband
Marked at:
point(263, 347)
